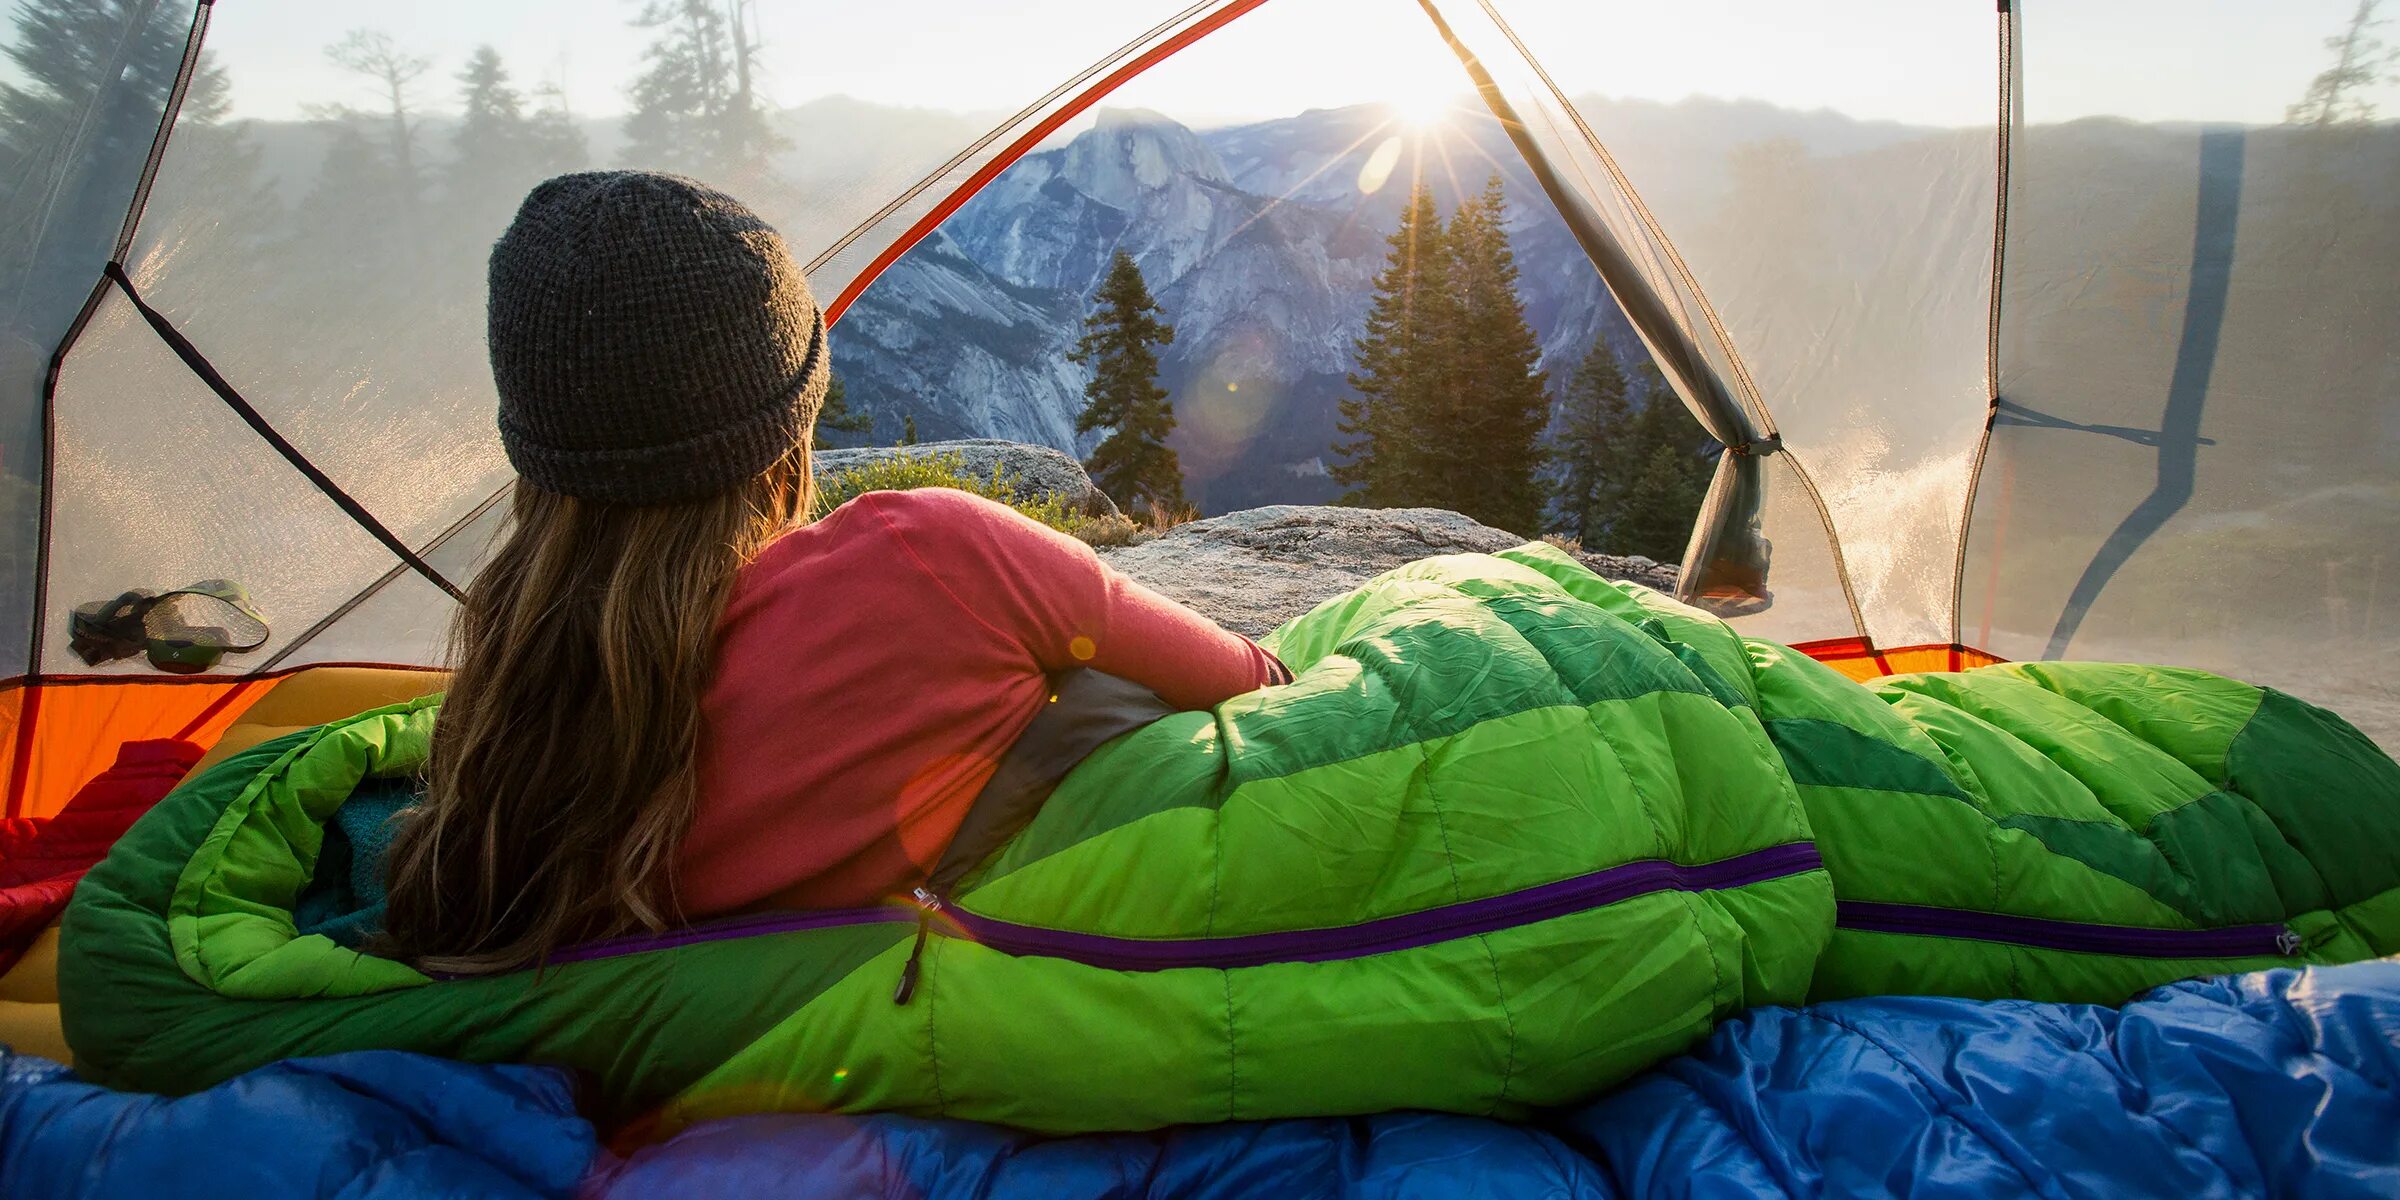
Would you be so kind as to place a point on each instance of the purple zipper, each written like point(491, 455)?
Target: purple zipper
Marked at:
point(2232, 941)
point(1407, 931)
point(1380, 936)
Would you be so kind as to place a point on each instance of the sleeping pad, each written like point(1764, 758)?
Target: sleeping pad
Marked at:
point(2275, 1083)
point(1512, 834)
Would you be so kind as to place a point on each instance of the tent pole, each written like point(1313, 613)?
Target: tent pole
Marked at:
point(29, 705)
point(1736, 491)
point(2010, 100)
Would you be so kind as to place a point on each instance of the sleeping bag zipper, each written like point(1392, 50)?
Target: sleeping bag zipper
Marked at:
point(927, 905)
point(1087, 710)
point(1383, 935)
point(2233, 941)
point(1407, 931)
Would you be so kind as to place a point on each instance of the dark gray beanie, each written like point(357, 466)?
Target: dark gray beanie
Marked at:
point(652, 339)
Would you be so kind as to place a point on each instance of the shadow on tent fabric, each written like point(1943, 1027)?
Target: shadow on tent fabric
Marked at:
point(2178, 438)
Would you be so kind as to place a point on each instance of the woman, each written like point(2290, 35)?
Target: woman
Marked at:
point(672, 699)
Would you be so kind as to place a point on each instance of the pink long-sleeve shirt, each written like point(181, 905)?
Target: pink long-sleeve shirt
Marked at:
point(871, 669)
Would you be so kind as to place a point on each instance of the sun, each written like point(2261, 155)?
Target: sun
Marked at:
point(1422, 111)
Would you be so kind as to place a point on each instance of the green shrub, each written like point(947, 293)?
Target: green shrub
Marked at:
point(899, 473)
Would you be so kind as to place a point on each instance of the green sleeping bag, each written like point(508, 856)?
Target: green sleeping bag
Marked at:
point(1512, 834)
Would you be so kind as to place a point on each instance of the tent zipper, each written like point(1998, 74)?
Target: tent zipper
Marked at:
point(2233, 941)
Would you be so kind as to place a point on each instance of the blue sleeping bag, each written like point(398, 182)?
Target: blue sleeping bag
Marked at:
point(2279, 1083)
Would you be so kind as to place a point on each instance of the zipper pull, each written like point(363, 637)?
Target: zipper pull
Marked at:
point(2287, 943)
point(908, 972)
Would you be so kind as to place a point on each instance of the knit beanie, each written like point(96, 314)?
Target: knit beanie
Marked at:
point(651, 338)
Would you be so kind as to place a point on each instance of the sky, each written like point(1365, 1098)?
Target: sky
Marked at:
point(1916, 61)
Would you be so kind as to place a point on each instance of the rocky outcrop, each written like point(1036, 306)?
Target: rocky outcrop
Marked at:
point(1036, 471)
point(1253, 570)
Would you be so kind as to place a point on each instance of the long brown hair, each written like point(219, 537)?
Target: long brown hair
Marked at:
point(561, 779)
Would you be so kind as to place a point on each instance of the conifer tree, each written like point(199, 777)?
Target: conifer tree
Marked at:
point(836, 415)
point(369, 243)
point(2360, 61)
point(1670, 470)
point(1399, 369)
point(500, 149)
point(556, 143)
point(392, 72)
point(353, 210)
point(491, 117)
point(79, 102)
point(1660, 504)
point(1595, 424)
point(1132, 463)
point(498, 152)
point(1487, 422)
point(694, 107)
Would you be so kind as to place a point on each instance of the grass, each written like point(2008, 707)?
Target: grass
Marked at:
point(900, 473)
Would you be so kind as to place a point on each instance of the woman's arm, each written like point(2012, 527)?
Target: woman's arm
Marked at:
point(1055, 597)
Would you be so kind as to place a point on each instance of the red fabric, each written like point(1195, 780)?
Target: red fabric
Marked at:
point(42, 857)
point(873, 667)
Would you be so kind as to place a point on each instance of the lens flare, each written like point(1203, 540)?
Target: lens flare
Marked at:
point(1377, 170)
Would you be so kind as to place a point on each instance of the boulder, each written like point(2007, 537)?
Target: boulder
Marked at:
point(1253, 570)
point(1038, 470)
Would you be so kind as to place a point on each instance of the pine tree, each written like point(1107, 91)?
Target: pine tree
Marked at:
point(1133, 462)
point(1667, 451)
point(1399, 368)
point(392, 72)
point(75, 127)
point(836, 415)
point(1595, 427)
point(1660, 505)
point(694, 107)
point(491, 118)
point(1490, 412)
point(908, 429)
point(362, 231)
point(500, 150)
point(2360, 61)
point(353, 209)
point(554, 143)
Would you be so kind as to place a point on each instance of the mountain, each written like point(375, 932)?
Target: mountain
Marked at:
point(1261, 242)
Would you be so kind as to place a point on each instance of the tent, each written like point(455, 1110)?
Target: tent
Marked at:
point(2063, 386)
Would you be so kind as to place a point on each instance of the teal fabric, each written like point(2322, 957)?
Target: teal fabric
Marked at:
point(345, 901)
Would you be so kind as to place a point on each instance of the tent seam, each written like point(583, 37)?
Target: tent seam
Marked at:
point(1991, 345)
point(208, 376)
point(166, 128)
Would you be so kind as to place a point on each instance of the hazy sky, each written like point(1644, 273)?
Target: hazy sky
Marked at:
point(1921, 61)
